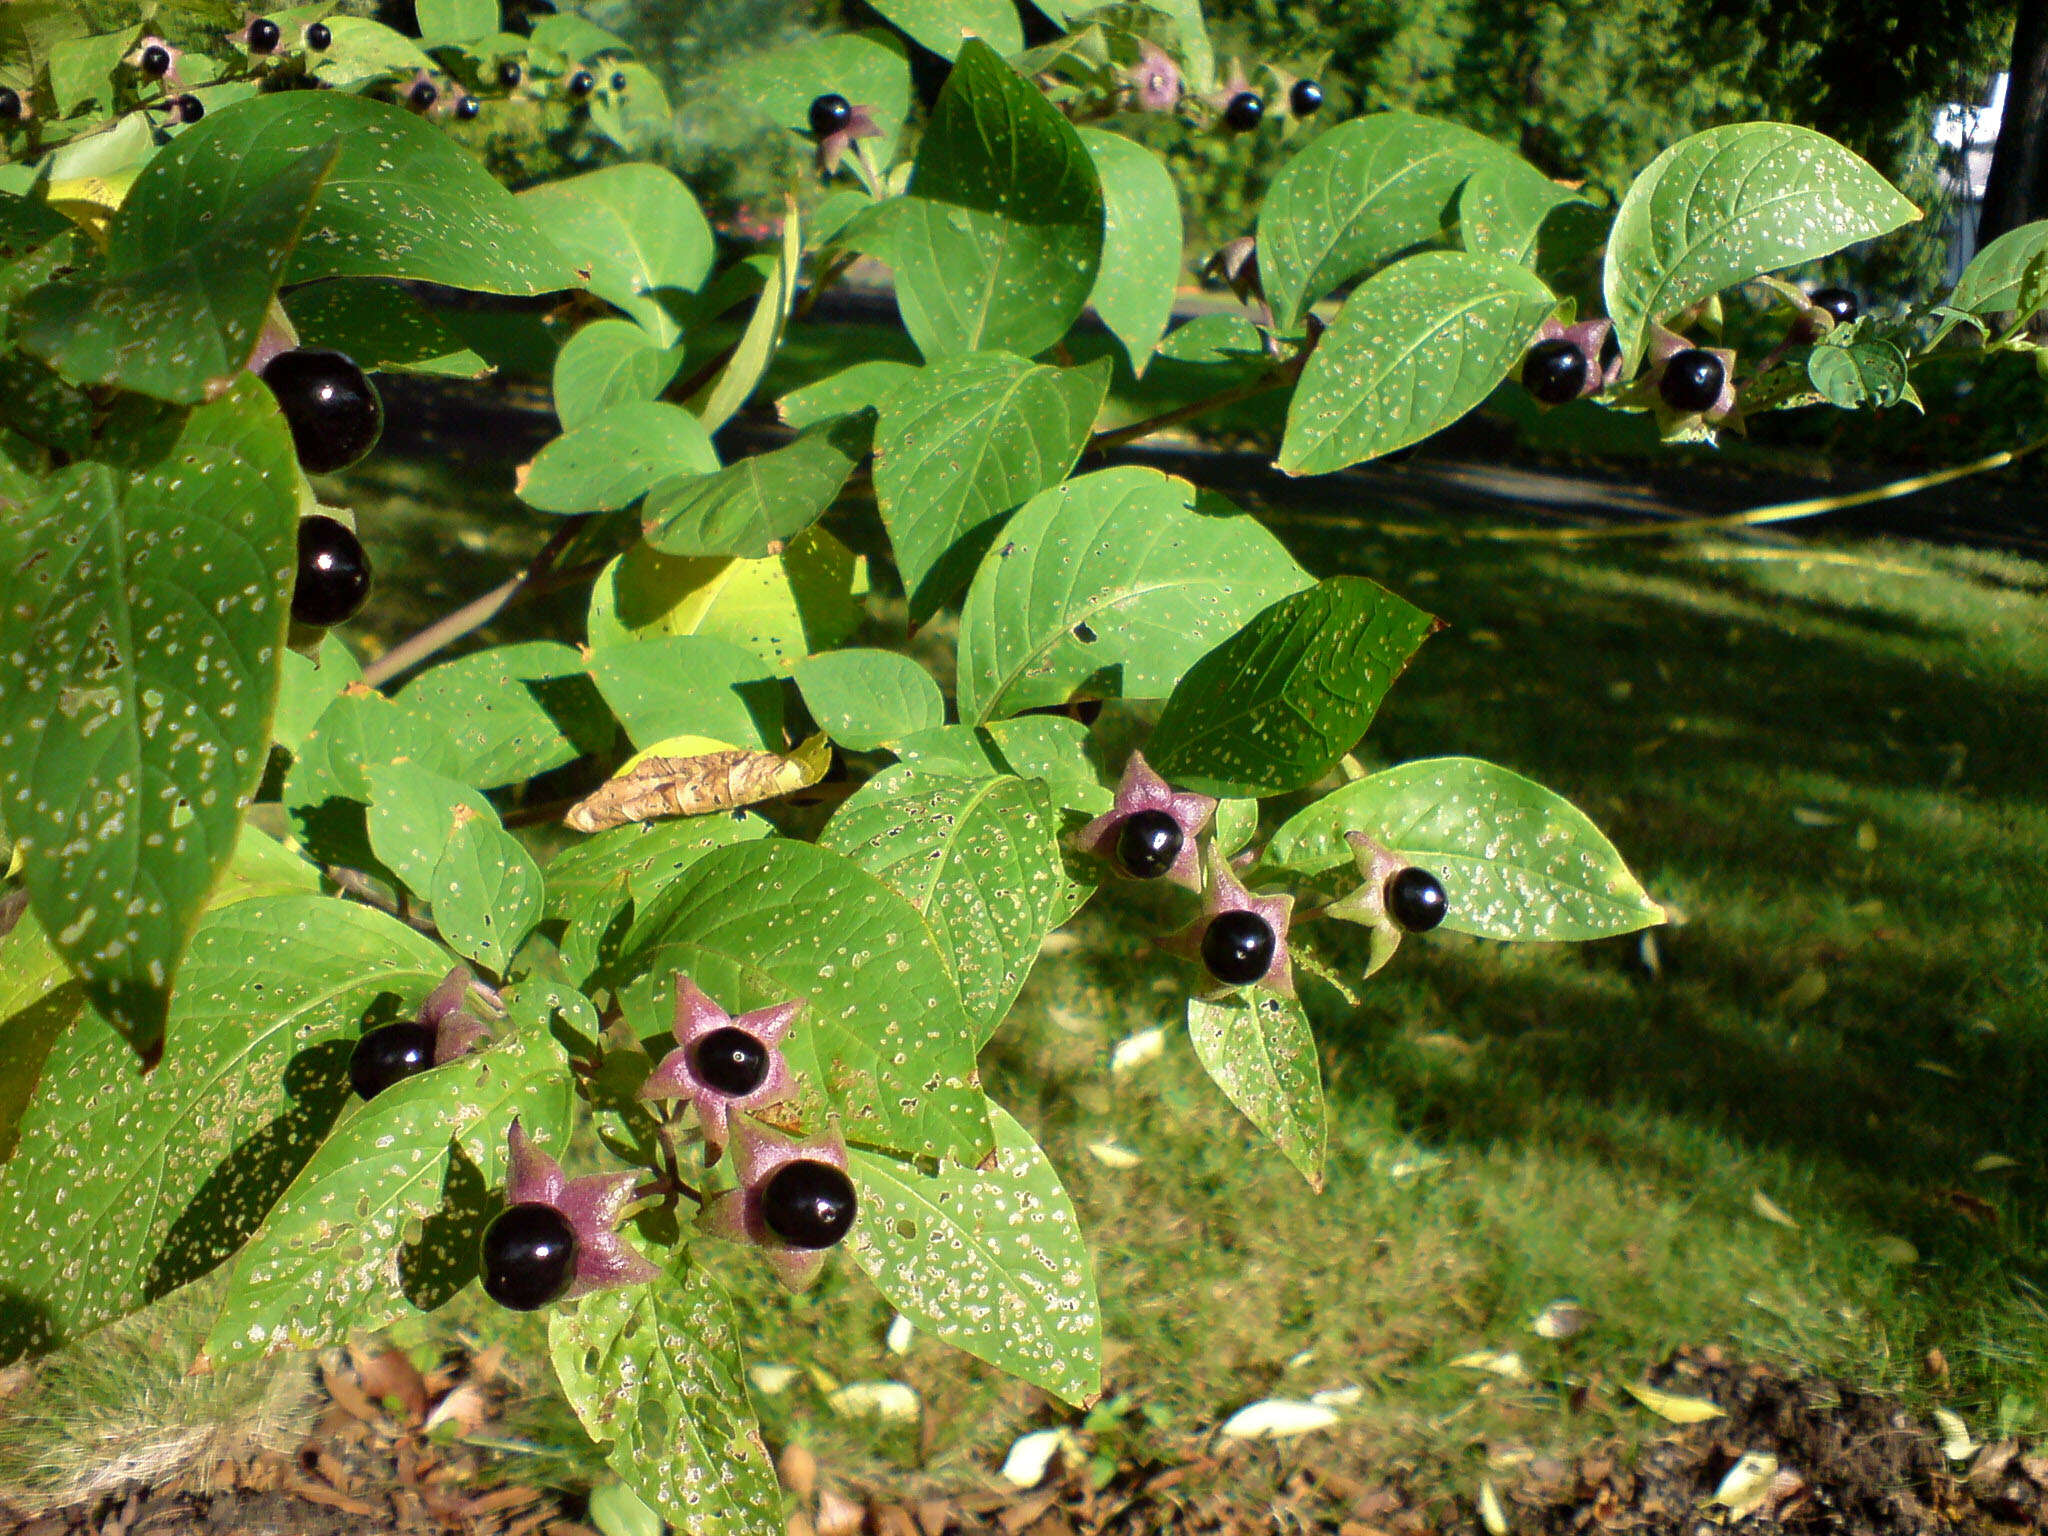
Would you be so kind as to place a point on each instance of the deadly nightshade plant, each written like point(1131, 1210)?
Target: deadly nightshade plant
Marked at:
point(242, 840)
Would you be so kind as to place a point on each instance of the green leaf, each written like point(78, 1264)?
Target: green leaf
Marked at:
point(382, 327)
point(962, 443)
point(1516, 860)
point(998, 242)
point(616, 457)
point(485, 891)
point(590, 882)
point(1261, 1052)
point(1276, 705)
point(1214, 339)
point(756, 348)
point(1141, 243)
point(514, 711)
point(362, 50)
point(456, 21)
point(992, 1261)
point(1991, 283)
point(882, 1035)
point(638, 230)
point(308, 686)
point(181, 327)
point(607, 363)
point(655, 1371)
point(944, 25)
point(1049, 747)
point(1502, 206)
point(1359, 195)
point(690, 685)
point(1414, 348)
point(869, 68)
point(27, 223)
point(754, 507)
point(135, 703)
point(412, 817)
point(1118, 580)
point(855, 387)
point(980, 858)
point(125, 1187)
point(1731, 204)
point(1858, 373)
point(82, 69)
point(865, 699)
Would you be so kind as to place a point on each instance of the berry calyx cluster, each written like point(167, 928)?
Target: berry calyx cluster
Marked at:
point(444, 1029)
point(557, 1237)
point(723, 1064)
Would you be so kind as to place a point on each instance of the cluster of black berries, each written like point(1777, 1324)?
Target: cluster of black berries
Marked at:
point(336, 417)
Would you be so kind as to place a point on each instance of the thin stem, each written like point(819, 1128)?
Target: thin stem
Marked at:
point(359, 887)
point(1137, 429)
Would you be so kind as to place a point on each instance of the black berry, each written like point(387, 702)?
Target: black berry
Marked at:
point(529, 1257)
point(732, 1061)
point(1147, 844)
point(467, 107)
point(333, 408)
point(808, 1204)
point(156, 61)
point(334, 573)
point(509, 74)
point(10, 106)
point(582, 83)
point(1415, 899)
point(264, 35)
point(318, 37)
point(829, 114)
point(1305, 98)
point(1237, 947)
point(1692, 380)
point(1243, 112)
point(1838, 302)
point(423, 95)
point(189, 109)
point(618, 80)
point(389, 1054)
point(1555, 371)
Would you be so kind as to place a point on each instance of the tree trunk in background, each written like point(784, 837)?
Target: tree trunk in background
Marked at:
point(2017, 192)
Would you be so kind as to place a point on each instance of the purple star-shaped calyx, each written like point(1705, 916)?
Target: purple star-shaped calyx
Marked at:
point(457, 1031)
point(133, 58)
point(1154, 79)
point(736, 1213)
point(1665, 345)
point(832, 148)
point(1590, 337)
point(1367, 905)
point(1141, 789)
point(678, 1077)
point(1226, 893)
point(592, 1206)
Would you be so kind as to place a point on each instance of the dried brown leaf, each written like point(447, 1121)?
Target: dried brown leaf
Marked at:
point(651, 787)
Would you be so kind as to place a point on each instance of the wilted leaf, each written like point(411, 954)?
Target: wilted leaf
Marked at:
point(658, 785)
point(1672, 1406)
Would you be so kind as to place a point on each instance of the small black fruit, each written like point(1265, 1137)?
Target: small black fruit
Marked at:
point(422, 95)
point(582, 83)
point(830, 113)
point(467, 107)
point(732, 1061)
point(1243, 112)
point(189, 109)
point(1147, 844)
point(156, 61)
point(618, 80)
point(529, 1257)
point(1692, 380)
point(318, 37)
point(10, 106)
point(389, 1054)
point(1838, 302)
point(333, 408)
point(1237, 947)
point(509, 74)
point(1555, 371)
point(808, 1204)
point(1415, 899)
point(334, 573)
point(264, 35)
point(1305, 98)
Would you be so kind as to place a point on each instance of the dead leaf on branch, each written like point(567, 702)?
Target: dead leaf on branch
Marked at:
point(697, 782)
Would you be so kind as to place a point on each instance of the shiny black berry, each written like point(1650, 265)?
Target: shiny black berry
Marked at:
point(467, 107)
point(156, 61)
point(264, 35)
point(189, 109)
point(422, 95)
point(330, 403)
point(808, 1204)
point(10, 106)
point(389, 1054)
point(1243, 112)
point(318, 37)
point(1305, 98)
point(529, 1257)
point(732, 1061)
point(1838, 302)
point(1237, 947)
point(829, 114)
point(509, 74)
point(1147, 844)
point(1555, 371)
point(1415, 899)
point(1692, 380)
point(618, 80)
point(334, 573)
point(582, 83)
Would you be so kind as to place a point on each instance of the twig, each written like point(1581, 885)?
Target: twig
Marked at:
point(1137, 429)
point(356, 884)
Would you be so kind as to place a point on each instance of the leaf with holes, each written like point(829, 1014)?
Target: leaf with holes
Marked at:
point(515, 710)
point(1276, 705)
point(655, 1371)
point(980, 858)
point(639, 231)
point(992, 1261)
point(328, 784)
point(125, 1187)
point(1261, 1052)
point(607, 363)
point(1413, 349)
point(1050, 747)
point(882, 1036)
point(856, 387)
point(866, 699)
point(1858, 373)
point(1517, 861)
point(135, 699)
point(591, 882)
point(485, 890)
point(615, 457)
point(961, 443)
point(1118, 580)
point(690, 685)
point(1141, 243)
point(1731, 204)
point(754, 507)
point(308, 686)
point(411, 818)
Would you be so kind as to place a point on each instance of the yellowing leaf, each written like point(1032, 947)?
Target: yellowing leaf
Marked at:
point(695, 784)
point(1748, 1483)
point(1672, 1406)
point(1770, 1210)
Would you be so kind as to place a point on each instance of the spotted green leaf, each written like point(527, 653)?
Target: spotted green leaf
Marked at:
point(589, 884)
point(856, 387)
point(1992, 283)
point(866, 699)
point(990, 1260)
point(655, 1372)
point(1516, 860)
point(1214, 339)
point(616, 456)
point(639, 231)
point(456, 21)
point(1141, 243)
point(485, 891)
point(135, 700)
point(944, 25)
point(883, 1036)
point(308, 686)
point(1858, 373)
point(607, 363)
point(1261, 1052)
point(515, 710)
point(362, 49)
point(1502, 206)
point(1118, 580)
point(965, 440)
point(1414, 348)
point(125, 1187)
point(1731, 204)
point(1276, 705)
point(1049, 747)
point(690, 685)
point(328, 786)
point(754, 507)
point(980, 858)
point(411, 818)
point(382, 327)
point(747, 365)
